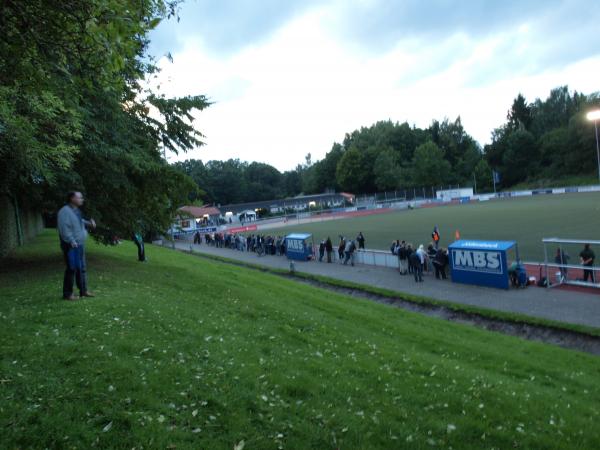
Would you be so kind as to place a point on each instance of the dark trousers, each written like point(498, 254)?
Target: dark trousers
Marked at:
point(79, 275)
point(141, 251)
point(329, 256)
point(418, 271)
point(588, 274)
point(440, 271)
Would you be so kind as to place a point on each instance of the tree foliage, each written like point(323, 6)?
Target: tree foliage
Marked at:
point(546, 139)
point(74, 112)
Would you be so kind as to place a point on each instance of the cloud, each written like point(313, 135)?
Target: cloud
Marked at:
point(294, 84)
point(224, 26)
point(560, 31)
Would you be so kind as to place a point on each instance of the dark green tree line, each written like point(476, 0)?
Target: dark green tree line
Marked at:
point(545, 140)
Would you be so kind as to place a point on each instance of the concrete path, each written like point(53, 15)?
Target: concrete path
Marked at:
point(554, 304)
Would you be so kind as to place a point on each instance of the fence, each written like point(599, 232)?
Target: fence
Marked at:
point(18, 224)
point(376, 258)
point(397, 200)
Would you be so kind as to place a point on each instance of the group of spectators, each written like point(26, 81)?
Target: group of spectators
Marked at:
point(346, 249)
point(412, 260)
point(415, 261)
point(586, 259)
point(257, 243)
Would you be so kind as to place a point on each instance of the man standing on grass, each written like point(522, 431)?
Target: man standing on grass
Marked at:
point(73, 233)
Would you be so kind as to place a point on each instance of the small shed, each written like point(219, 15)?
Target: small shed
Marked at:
point(299, 246)
point(482, 263)
point(247, 215)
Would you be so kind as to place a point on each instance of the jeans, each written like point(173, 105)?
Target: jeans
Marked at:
point(418, 271)
point(80, 275)
point(403, 266)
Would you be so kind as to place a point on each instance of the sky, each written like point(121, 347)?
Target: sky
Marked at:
point(292, 77)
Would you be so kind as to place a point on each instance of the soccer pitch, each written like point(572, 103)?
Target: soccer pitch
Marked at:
point(526, 220)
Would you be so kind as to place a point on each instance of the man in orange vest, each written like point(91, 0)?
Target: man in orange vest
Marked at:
point(436, 237)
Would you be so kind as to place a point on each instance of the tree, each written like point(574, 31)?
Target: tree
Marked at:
point(263, 181)
point(483, 176)
point(554, 149)
point(429, 166)
point(521, 157)
point(387, 170)
point(324, 176)
point(350, 172)
point(74, 114)
point(292, 182)
point(519, 115)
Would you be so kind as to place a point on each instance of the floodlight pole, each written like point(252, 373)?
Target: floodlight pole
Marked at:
point(597, 147)
point(595, 116)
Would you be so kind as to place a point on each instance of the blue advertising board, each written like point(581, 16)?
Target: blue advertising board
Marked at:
point(482, 263)
point(206, 230)
point(297, 247)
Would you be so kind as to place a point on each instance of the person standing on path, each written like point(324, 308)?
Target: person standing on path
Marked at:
point(361, 241)
point(440, 262)
point(417, 266)
point(436, 237)
point(587, 259)
point(409, 251)
point(349, 252)
point(341, 248)
point(402, 258)
point(328, 248)
point(73, 233)
point(321, 250)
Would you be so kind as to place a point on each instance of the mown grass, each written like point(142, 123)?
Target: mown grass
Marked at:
point(182, 352)
point(487, 313)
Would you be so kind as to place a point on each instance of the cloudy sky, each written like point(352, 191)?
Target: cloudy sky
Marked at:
point(289, 77)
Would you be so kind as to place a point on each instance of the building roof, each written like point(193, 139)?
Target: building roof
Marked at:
point(483, 245)
point(300, 236)
point(201, 211)
point(283, 202)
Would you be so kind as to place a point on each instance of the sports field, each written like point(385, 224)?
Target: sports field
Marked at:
point(526, 220)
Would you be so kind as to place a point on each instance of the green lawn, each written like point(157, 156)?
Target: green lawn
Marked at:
point(182, 352)
point(526, 220)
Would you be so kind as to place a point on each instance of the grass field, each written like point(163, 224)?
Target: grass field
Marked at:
point(526, 220)
point(183, 352)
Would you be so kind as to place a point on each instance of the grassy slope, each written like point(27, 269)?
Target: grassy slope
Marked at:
point(182, 344)
point(526, 220)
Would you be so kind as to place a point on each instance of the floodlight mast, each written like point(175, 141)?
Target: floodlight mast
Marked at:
point(595, 116)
